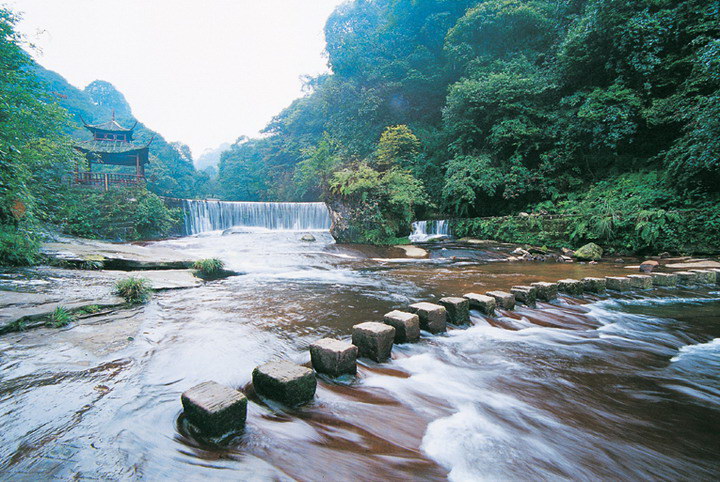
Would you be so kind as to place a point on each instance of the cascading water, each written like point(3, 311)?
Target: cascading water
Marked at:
point(426, 230)
point(204, 216)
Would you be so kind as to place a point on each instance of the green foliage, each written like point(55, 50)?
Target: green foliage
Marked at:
point(134, 290)
point(60, 317)
point(89, 309)
point(398, 147)
point(209, 266)
point(18, 247)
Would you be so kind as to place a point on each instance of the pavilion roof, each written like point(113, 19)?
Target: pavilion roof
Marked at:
point(111, 147)
point(111, 125)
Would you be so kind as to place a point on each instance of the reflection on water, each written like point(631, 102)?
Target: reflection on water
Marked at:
point(577, 389)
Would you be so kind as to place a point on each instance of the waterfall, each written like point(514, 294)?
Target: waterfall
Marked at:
point(202, 216)
point(426, 230)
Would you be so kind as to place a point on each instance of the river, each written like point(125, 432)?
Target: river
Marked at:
point(583, 388)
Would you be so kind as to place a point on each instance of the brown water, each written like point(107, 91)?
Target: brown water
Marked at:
point(587, 388)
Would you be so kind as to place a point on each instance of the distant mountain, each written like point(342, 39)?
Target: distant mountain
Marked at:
point(211, 157)
point(171, 171)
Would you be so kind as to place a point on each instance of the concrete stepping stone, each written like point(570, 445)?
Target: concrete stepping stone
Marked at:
point(571, 286)
point(458, 310)
point(215, 409)
point(594, 285)
point(525, 294)
point(546, 291)
point(334, 357)
point(285, 382)
point(433, 318)
point(503, 299)
point(664, 279)
point(618, 283)
point(407, 325)
point(687, 277)
point(705, 276)
point(484, 304)
point(374, 340)
point(640, 281)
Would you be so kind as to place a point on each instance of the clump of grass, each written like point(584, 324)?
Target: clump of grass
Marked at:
point(209, 266)
point(89, 309)
point(60, 317)
point(134, 290)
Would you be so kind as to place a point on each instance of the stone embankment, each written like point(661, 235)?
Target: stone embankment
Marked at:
point(215, 409)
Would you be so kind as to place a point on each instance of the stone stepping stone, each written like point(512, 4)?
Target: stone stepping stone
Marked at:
point(334, 357)
point(215, 409)
point(458, 310)
point(433, 318)
point(374, 340)
point(687, 277)
point(705, 276)
point(525, 294)
point(717, 275)
point(285, 382)
point(618, 283)
point(407, 326)
point(664, 279)
point(594, 285)
point(503, 299)
point(484, 304)
point(641, 281)
point(546, 291)
point(571, 286)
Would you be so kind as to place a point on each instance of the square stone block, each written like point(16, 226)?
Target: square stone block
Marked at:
point(594, 285)
point(433, 318)
point(705, 276)
point(334, 357)
point(546, 291)
point(458, 310)
point(407, 326)
point(525, 294)
point(482, 303)
point(717, 275)
point(215, 409)
point(374, 340)
point(664, 279)
point(285, 382)
point(618, 283)
point(503, 299)
point(687, 277)
point(570, 286)
point(641, 281)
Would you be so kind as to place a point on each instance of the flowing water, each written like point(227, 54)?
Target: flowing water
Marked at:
point(427, 230)
point(593, 388)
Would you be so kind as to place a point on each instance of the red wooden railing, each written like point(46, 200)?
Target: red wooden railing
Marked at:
point(106, 179)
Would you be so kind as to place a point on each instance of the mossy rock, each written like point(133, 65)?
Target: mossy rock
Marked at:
point(589, 252)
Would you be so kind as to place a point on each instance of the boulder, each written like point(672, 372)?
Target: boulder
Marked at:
point(407, 326)
point(648, 266)
point(705, 276)
point(458, 310)
point(570, 286)
point(664, 279)
point(334, 357)
point(567, 252)
point(589, 252)
point(503, 299)
point(546, 291)
point(433, 318)
point(525, 294)
point(215, 409)
point(641, 281)
point(594, 285)
point(374, 340)
point(413, 251)
point(687, 277)
point(285, 382)
point(520, 252)
point(482, 303)
point(618, 283)
point(308, 238)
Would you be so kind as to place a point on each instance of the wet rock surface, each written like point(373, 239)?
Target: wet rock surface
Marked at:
point(215, 409)
point(285, 382)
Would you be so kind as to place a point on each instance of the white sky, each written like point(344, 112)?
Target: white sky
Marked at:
point(202, 72)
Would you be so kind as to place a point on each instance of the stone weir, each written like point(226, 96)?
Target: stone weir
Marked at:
point(215, 409)
point(209, 215)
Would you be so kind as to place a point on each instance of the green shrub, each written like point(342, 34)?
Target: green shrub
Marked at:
point(209, 266)
point(18, 247)
point(134, 290)
point(89, 309)
point(60, 317)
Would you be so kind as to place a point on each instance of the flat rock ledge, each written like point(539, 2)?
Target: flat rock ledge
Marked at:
point(215, 409)
point(374, 340)
point(433, 318)
point(285, 382)
point(334, 357)
point(407, 326)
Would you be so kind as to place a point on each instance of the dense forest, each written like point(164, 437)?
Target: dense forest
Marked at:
point(606, 110)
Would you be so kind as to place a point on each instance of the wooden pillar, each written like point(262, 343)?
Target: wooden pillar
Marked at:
point(137, 164)
point(107, 182)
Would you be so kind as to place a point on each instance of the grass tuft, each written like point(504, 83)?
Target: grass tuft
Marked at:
point(134, 290)
point(60, 317)
point(209, 266)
